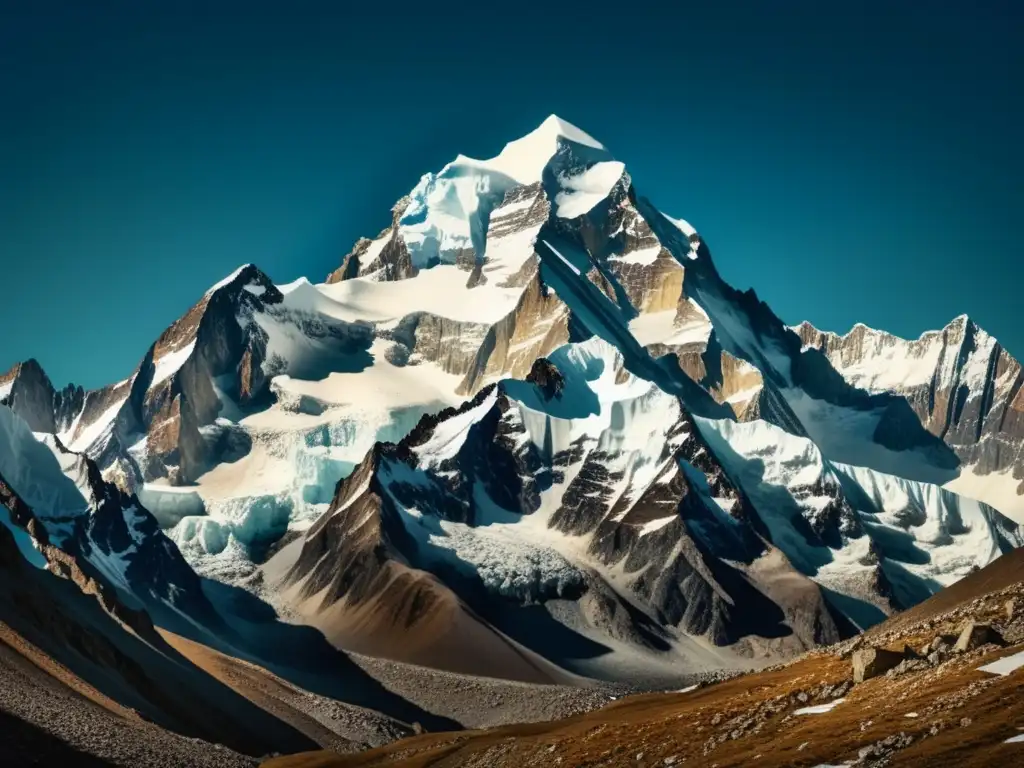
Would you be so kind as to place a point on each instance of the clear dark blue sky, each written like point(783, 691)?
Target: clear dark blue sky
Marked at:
point(856, 164)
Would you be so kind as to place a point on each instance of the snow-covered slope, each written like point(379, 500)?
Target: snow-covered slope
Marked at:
point(593, 493)
point(963, 386)
point(649, 461)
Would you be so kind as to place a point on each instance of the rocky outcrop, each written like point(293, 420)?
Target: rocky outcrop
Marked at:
point(872, 662)
point(385, 256)
point(538, 326)
point(546, 376)
point(974, 635)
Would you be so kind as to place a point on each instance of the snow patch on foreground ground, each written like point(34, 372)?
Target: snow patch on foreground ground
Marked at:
point(1004, 666)
point(819, 709)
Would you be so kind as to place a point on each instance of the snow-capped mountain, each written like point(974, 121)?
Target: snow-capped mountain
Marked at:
point(530, 420)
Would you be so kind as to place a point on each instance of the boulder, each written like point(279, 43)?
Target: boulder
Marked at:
point(1009, 608)
point(974, 635)
point(852, 647)
point(942, 640)
point(872, 662)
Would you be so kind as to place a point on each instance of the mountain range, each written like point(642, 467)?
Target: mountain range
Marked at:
point(526, 432)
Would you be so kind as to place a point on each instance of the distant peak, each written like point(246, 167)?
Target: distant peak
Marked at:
point(30, 366)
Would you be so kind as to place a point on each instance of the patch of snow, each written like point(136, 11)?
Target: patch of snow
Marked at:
point(168, 364)
point(819, 709)
point(227, 280)
point(744, 395)
point(660, 328)
point(93, 431)
point(998, 489)
point(684, 226)
point(581, 192)
point(567, 263)
point(1004, 666)
point(440, 291)
point(34, 473)
point(643, 257)
point(373, 251)
point(656, 525)
point(448, 437)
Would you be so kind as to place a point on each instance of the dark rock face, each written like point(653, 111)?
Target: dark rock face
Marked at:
point(547, 378)
point(31, 395)
point(392, 262)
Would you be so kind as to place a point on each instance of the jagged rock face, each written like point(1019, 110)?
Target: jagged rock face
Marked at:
point(467, 471)
point(95, 524)
point(27, 390)
point(62, 563)
point(160, 424)
point(960, 382)
point(119, 528)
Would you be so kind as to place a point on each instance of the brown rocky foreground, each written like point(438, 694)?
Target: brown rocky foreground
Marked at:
point(938, 710)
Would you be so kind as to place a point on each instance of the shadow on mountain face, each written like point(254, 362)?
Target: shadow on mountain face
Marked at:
point(857, 612)
point(533, 627)
point(907, 588)
point(593, 312)
point(22, 743)
point(899, 427)
point(302, 656)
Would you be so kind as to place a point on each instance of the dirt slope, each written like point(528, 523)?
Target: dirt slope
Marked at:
point(946, 713)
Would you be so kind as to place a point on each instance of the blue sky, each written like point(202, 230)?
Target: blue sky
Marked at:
point(855, 161)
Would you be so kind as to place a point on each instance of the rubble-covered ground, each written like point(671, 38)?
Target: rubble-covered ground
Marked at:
point(952, 694)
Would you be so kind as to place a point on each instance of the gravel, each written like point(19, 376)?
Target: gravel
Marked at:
point(481, 702)
point(43, 722)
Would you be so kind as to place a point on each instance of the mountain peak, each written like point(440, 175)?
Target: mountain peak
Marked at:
point(244, 275)
point(525, 158)
point(556, 126)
